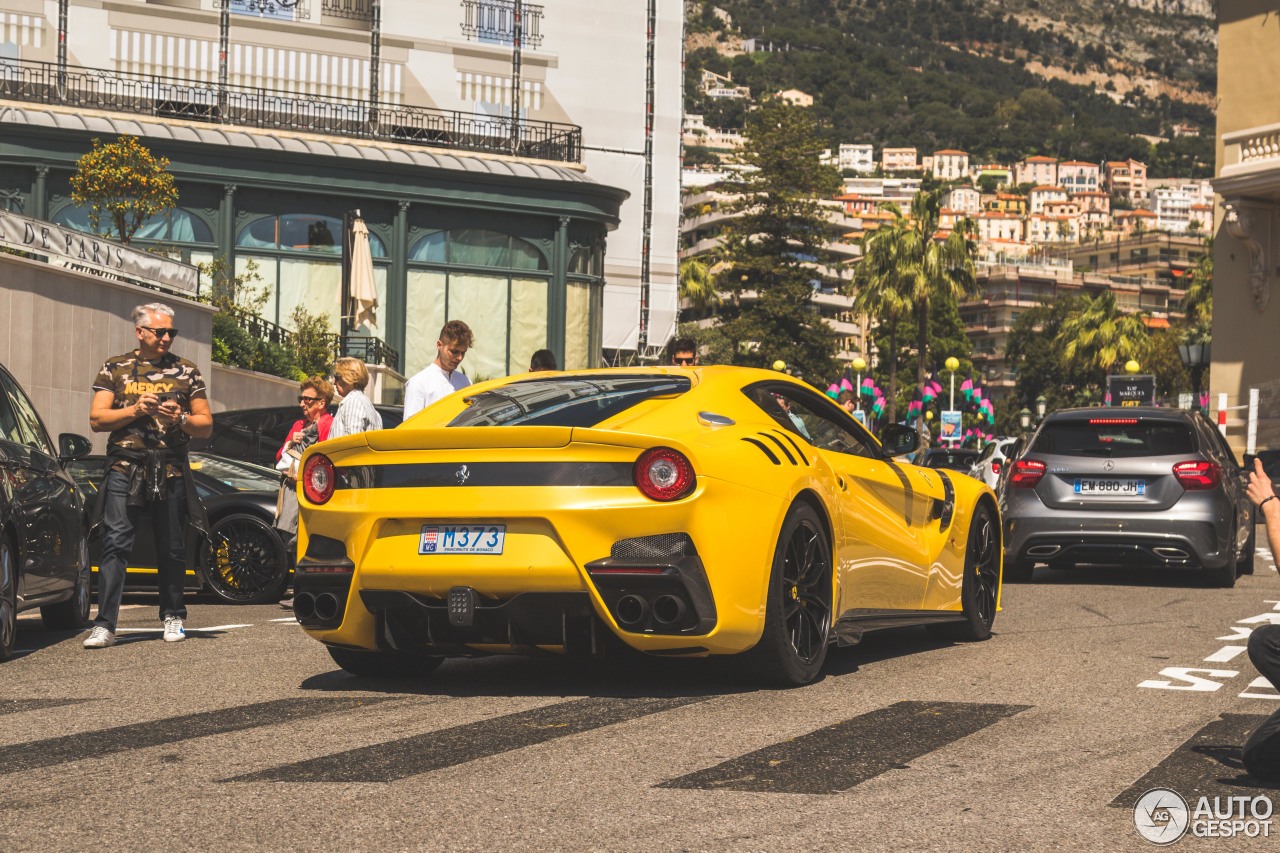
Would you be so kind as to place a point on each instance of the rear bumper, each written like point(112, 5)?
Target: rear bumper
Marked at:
point(1078, 538)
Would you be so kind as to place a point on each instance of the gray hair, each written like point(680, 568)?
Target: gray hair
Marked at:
point(141, 313)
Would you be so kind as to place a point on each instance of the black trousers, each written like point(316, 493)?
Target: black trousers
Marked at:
point(119, 521)
point(1262, 750)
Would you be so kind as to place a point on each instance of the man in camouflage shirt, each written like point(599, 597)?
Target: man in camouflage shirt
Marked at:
point(152, 402)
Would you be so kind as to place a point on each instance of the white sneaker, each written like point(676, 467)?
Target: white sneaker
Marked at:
point(99, 638)
point(173, 631)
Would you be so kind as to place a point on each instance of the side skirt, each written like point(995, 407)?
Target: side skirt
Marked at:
point(852, 624)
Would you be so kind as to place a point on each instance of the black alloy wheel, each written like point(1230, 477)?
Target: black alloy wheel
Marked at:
point(246, 562)
point(383, 664)
point(72, 614)
point(8, 601)
point(797, 625)
point(980, 589)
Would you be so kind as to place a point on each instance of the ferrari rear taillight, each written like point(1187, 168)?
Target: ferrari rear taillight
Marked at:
point(318, 478)
point(663, 474)
point(995, 467)
point(1026, 473)
point(1198, 475)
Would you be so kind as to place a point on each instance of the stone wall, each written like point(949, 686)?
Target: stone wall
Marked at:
point(58, 326)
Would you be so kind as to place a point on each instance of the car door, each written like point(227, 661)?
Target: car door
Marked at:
point(50, 507)
point(879, 547)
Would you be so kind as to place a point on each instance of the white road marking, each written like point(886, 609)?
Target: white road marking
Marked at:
point(1261, 683)
point(285, 619)
point(1225, 654)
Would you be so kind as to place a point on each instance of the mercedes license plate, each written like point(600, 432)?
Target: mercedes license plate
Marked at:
point(462, 538)
point(1110, 488)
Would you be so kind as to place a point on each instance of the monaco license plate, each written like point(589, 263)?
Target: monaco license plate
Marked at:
point(1110, 488)
point(462, 538)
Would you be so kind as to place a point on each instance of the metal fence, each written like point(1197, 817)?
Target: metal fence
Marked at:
point(170, 97)
point(368, 349)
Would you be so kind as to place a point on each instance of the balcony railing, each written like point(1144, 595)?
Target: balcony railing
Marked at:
point(367, 349)
point(494, 21)
point(169, 97)
point(356, 10)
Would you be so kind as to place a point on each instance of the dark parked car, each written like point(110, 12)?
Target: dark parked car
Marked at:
point(1142, 486)
point(44, 561)
point(951, 458)
point(254, 435)
point(245, 561)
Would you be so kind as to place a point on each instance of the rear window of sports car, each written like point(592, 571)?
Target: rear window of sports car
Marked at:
point(571, 401)
point(1111, 440)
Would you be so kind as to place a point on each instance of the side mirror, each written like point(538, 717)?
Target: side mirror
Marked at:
point(899, 439)
point(72, 446)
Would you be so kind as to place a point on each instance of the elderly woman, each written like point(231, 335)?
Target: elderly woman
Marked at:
point(356, 412)
point(314, 396)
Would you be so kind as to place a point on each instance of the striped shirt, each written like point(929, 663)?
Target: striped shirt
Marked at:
point(355, 414)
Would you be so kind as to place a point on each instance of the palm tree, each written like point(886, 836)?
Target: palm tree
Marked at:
point(1198, 304)
point(878, 291)
point(698, 285)
point(908, 263)
point(1099, 336)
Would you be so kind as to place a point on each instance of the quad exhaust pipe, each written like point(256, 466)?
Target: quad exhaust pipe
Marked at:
point(632, 609)
point(668, 609)
point(324, 607)
point(304, 605)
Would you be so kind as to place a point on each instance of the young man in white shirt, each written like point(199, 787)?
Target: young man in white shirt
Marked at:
point(441, 377)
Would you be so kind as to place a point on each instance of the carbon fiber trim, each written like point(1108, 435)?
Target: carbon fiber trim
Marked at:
point(467, 474)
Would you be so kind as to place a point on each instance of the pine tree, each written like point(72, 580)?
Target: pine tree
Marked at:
point(773, 257)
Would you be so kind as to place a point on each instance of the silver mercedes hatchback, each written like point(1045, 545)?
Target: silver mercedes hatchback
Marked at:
point(1139, 486)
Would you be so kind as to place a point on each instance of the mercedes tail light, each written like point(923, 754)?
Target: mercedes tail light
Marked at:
point(1026, 473)
point(663, 474)
point(318, 478)
point(1198, 475)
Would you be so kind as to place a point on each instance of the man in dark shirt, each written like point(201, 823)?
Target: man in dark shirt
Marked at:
point(152, 402)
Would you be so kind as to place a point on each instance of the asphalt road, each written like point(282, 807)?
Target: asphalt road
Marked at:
point(248, 737)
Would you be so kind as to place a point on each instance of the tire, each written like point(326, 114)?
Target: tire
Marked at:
point(384, 664)
point(246, 563)
point(980, 589)
point(797, 622)
point(72, 614)
point(1018, 571)
point(8, 601)
point(1245, 566)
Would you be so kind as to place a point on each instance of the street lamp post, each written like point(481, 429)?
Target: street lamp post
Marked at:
point(1195, 357)
point(1024, 419)
point(952, 364)
point(1041, 404)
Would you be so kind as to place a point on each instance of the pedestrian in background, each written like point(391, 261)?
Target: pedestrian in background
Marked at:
point(684, 352)
point(314, 396)
point(441, 377)
point(152, 402)
point(543, 359)
point(356, 412)
point(1261, 752)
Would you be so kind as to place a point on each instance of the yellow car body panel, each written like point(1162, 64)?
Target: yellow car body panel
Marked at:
point(889, 550)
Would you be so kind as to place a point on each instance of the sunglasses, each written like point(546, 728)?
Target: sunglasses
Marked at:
point(307, 401)
point(683, 362)
point(161, 333)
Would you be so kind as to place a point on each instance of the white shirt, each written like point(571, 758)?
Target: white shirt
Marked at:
point(428, 385)
point(355, 414)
